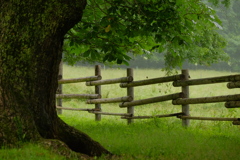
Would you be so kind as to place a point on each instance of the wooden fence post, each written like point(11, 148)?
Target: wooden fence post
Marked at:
point(59, 90)
point(98, 91)
point(130, 92)
point(185, 107)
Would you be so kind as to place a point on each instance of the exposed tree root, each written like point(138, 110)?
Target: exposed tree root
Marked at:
point(79, 141)
point(60, 148)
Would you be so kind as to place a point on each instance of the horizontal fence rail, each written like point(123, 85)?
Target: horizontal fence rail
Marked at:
point(110, 81)
point(232, 104)
point(151, 100)
point(112, 114)
point(77, 80)
point(151, 81)
point(206, 99)
point(77, 109)
point(209, 118)
point(232, 85)
point(207, 80)
point(182, 98)
point(77, 96)
point(110, 100)
point(156, 116)
point(236, 122)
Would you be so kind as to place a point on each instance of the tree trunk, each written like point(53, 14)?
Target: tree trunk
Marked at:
point(31, 39)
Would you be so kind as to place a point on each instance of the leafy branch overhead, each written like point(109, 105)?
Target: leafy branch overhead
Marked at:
point(179, 29)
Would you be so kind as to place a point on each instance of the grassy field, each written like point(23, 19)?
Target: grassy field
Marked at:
point(154, 139)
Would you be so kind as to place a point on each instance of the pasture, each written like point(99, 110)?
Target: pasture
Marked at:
point(154, 138)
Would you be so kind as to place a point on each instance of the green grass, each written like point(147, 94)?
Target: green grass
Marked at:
point(163, 139)
point(28, 152)
point(153, 138)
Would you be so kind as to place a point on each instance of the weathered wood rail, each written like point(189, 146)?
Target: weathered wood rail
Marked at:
point(232, 104)
point(151, 81)
point(206, 99)
point(232, 85)
point(77, 96)
point(182, 80)
point(151, 100)
point(110, 100)
point(110, 81)
point(156, 116)
point(212, 80)
point(77, 80)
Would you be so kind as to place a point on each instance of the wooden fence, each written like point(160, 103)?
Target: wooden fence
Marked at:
point(182, 80)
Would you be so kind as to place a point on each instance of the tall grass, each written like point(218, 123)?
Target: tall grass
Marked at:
point(152, 138)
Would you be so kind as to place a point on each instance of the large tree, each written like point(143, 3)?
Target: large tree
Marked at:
point(31, 40)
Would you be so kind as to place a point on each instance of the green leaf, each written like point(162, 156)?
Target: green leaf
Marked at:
point(71, 44)
point(119, 61)
point(87, 53)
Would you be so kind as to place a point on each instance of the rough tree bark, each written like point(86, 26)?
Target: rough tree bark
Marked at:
point(31, 39)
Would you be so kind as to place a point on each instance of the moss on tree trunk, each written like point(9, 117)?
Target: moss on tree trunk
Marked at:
point(31, 39)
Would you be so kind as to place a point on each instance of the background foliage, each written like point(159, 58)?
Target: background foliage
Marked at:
point(178, 30)
point(231, 32)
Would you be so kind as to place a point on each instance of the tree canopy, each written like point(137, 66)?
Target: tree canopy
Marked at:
point(179, 30)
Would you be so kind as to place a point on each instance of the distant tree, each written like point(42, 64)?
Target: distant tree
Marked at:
point(179, 30)
point(31, 41)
